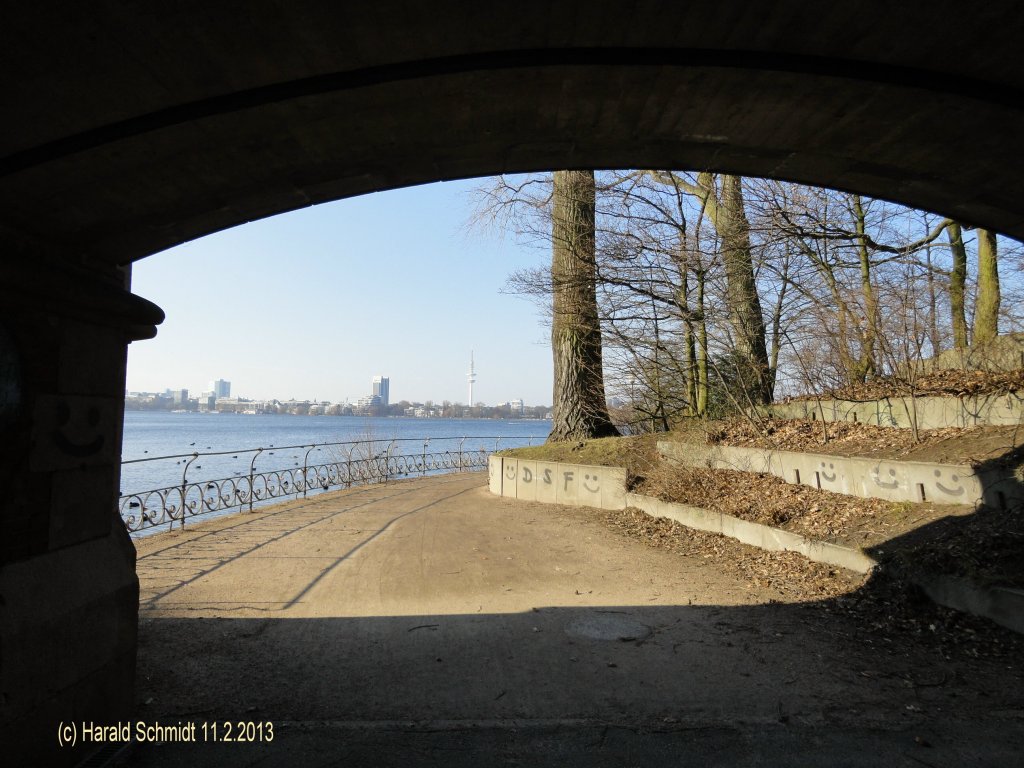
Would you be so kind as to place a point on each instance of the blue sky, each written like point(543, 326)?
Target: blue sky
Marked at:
point(314, 303)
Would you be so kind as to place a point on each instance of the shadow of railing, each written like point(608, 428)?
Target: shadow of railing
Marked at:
point(349, 463)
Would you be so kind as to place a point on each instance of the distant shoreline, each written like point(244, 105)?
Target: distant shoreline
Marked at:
point(497, 417)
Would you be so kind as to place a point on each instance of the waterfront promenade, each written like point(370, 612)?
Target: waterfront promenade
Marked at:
point(426, 622)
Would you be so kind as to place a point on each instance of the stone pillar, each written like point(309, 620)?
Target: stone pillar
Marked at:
point(68, 589)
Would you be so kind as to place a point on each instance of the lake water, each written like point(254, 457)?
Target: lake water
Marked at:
point(154, 434)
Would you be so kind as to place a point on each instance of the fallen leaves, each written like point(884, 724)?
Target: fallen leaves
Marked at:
point(949, 445)
point(787, 574)
point(772, 501)
point(888, 611)
point(950, 382)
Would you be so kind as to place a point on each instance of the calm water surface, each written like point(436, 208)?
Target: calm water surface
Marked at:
point(152, 434)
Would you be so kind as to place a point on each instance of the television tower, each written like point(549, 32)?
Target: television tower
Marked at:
point(471, 377)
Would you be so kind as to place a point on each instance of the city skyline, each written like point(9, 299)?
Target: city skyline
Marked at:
point(280, 306)
point(380, 387)
point(179, 392)
point(227, 386)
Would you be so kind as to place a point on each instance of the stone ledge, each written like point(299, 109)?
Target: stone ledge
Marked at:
point(755, 534)
point(887, 479)
point(606, 489)
point(1003, 605)
point(932, 412)
point(578, 485)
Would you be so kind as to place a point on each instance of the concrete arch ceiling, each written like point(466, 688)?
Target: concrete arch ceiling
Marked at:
point(131, 127)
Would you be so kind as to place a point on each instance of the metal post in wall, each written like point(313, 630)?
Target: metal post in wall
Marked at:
point(305, 470)
point(184, 490)
point(252, 482)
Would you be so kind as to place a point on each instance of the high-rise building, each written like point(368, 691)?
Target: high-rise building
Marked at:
point(220, 388)
point(381, 387)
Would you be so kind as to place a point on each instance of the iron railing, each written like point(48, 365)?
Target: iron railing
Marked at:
point(350, 463)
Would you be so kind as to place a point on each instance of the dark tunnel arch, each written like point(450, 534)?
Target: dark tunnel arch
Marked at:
point(163, 151)
point(133, 127)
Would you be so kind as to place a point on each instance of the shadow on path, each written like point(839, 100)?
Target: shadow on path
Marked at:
point(668, 685)
point(371, 677)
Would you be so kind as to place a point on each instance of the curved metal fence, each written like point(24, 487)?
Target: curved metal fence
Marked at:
point(350, 463)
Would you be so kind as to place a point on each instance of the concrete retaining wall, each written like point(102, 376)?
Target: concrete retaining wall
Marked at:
point(869, 478)
point(577, 485)
point(755, 534)
point(1003, 353)
point(1003, 605)
point(931, 412)
point(605, 488)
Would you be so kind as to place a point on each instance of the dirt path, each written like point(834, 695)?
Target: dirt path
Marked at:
point(396, 624)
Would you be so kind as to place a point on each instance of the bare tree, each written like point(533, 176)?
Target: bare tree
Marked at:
point(957, 285)
point(986, 305)
point(709, 289)
point(721, 199)
point(579, 409)
point(652, 278)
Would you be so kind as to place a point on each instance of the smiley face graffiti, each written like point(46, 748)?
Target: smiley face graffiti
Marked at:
point(953, 477)
point(510, 471)
point(587, 479)
point(891, 484)
point(77, 447)
point(825, 475)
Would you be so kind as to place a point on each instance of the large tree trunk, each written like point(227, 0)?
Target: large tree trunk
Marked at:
point(744, 302)
point(579, 411)
point(957, 284)
point(986, 305)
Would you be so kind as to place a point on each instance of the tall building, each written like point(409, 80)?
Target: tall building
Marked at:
point(381, 387)
point(471, 378)
point(220, 388)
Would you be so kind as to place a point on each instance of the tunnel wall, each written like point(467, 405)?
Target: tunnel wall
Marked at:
point(68, 589)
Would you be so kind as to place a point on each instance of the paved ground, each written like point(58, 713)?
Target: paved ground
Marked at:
point(427, 622)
